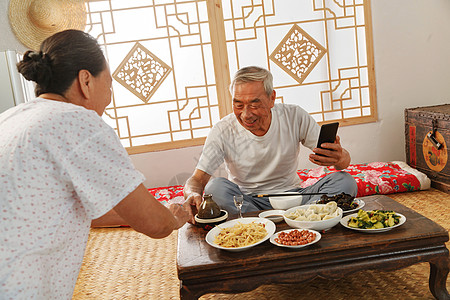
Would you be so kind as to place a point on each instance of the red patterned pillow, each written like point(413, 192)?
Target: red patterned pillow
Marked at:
point(172, 193)
point(374, 178)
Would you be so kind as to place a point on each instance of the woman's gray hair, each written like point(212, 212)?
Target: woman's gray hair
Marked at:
point(252, 74)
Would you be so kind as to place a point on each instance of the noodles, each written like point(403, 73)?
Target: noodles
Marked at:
point(241, 235)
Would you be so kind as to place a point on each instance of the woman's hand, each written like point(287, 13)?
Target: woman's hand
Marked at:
point(192, 204)
point(181, 215)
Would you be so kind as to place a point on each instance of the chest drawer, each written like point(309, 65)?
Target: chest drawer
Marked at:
point(427, 137)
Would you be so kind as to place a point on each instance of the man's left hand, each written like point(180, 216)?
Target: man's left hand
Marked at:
point(331, 154)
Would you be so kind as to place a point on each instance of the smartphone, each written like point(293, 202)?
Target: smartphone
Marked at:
point(327, 133)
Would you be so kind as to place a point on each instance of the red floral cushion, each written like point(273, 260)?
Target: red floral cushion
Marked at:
point(372, 178)
point(172, 193)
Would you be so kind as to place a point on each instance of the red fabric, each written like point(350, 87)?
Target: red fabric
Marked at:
point(372, 178)
point(172, 193)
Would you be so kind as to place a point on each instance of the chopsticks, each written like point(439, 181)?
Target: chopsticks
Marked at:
point(287, 194)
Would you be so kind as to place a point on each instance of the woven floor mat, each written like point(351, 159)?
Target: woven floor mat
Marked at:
point(122, 264)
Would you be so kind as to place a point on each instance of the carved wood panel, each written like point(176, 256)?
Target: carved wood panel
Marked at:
point(172, 61)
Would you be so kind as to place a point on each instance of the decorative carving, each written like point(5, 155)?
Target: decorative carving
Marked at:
point(436, 159)
point(298, 53)
point(141, 72)
point(204, 43)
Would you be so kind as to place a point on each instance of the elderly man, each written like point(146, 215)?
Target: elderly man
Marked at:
point(260, 144)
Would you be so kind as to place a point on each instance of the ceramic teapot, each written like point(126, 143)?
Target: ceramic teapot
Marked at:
point(208, 208)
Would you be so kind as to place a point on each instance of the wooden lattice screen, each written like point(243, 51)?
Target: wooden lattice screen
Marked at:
point(172, 62)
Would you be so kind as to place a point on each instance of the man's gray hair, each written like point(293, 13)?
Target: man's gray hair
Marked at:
point(252, 74)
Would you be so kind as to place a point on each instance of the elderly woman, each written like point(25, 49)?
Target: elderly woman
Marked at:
point(61, 167)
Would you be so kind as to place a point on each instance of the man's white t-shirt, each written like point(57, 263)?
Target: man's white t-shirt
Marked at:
point(261, 164)
point(61, 166)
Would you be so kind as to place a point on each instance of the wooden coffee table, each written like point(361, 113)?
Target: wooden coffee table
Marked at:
point(204, 269)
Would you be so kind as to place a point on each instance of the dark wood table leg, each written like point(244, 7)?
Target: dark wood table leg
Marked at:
point(186, 293)
point(439, 269)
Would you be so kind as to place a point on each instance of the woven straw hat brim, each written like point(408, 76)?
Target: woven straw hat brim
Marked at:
point(32, 21)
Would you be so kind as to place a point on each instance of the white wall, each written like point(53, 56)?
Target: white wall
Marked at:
point(412, 67)
point(8, 40)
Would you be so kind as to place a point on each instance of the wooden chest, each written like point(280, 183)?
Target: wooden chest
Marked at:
point(427, 131)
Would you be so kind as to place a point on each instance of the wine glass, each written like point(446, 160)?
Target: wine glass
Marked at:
point(238, 201)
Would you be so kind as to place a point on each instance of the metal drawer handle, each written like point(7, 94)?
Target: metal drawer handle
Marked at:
point(432, 136)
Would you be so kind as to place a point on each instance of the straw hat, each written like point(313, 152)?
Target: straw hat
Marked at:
point(34, 20)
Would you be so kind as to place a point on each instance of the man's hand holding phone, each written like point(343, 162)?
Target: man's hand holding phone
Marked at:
point(327, 135)
point(328, 151)
point(327, 155)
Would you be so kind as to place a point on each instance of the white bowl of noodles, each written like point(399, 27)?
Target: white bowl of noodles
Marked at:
point(314, 216)
point(233, 240)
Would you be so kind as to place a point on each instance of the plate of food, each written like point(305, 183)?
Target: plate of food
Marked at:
point(314, 216)
point(347, 203)
point(373, 221)
point(295, 238)
point(359, 203)
point(240, 234)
